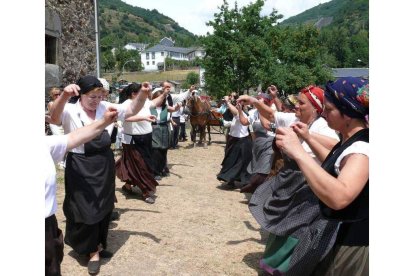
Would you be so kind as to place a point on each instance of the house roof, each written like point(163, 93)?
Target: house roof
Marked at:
point(159, 48)
point(193, 49)
point(166, 41)
point(350, 72)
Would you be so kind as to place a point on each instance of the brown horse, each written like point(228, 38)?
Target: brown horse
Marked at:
point(199, 113)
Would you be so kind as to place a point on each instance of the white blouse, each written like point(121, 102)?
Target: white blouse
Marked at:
point(357, 147)
point(319, 126)
point(55, 149)
point(136, 128)
point(74, 117)
point(237, 129)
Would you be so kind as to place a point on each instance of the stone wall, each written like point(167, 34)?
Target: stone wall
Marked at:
point(72, 23)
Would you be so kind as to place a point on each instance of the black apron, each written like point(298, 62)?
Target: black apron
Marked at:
point(90, 182)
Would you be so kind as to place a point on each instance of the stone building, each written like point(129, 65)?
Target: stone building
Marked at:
point(70, 50)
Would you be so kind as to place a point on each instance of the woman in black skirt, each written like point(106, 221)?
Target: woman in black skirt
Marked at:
point(135, 167)
point(238, 152)
point(90, 167)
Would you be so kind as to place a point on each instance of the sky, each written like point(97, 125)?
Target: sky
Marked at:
point(193, 14)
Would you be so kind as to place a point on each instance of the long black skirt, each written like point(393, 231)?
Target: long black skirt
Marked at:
point(85, 238)
point(236, 159)
point(89, 199)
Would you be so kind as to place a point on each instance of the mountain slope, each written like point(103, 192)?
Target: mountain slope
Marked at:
point(353, 14)
point(121, 23)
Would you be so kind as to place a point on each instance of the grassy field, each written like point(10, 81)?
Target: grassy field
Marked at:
point(176, 75)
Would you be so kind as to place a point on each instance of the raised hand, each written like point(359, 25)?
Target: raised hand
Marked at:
point(71, 90)
point(111, 115)
point(272, 90)
point(246, 99)
point(302, 130)
point(288, 142)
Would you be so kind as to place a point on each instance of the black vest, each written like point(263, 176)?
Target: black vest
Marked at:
point(354, 230)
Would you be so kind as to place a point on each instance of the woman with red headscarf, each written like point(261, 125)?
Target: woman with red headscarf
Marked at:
point(284, 205)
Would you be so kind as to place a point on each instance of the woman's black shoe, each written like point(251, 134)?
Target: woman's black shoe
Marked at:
point(93, 267)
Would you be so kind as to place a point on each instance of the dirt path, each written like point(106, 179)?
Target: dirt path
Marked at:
point(194, 228)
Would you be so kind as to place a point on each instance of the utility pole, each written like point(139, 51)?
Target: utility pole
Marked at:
point(98, 56)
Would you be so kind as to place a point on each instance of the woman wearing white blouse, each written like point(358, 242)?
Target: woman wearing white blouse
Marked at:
point(90, 167)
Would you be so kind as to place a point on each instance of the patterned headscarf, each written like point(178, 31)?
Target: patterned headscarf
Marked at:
point(350, 95)
point(315, 96)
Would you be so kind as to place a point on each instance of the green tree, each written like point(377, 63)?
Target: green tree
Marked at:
point(247, 50)
point(236, 50)
point(191, 79)
point(108, 61)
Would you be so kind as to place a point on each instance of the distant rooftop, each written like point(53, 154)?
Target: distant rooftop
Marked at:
point(158, 48)
point(350, 72)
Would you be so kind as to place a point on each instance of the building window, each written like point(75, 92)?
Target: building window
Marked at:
point(147, 62)
point(153, 62)
point(153, 55)
point(162, 54)
point(147, 56)
point(51, 49)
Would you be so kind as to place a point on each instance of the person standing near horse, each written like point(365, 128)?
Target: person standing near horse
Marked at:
point(238, 151)
point(175, 116)
point(90, 167)
point(183, 120)
point(135, 166)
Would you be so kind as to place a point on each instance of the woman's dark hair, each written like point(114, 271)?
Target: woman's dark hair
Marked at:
point(127, 91)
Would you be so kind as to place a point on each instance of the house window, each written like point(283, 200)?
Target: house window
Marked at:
point(153, 55)
point(162, 54)
point(147, 62)
point(51, 49)
point(153, 62)
point(147, 56)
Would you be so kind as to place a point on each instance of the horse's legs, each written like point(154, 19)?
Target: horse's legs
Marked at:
point(203, 136)
point(193, 134)
point(209, 134)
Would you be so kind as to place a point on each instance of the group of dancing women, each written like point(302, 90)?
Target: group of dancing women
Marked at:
point(304, 159)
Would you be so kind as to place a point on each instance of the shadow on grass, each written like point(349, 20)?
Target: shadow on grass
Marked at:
point(252, 260)
point(116, 239)
point(264, 235)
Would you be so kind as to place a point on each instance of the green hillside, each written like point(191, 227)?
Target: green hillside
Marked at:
point(353, 14)
point(121, 23)
point(346, 38)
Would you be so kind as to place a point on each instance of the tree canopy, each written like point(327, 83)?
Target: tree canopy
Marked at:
point(248, 49)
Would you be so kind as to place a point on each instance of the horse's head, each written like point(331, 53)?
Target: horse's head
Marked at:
point(190, 104)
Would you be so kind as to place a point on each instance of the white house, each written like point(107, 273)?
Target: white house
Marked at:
point(153, 58)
